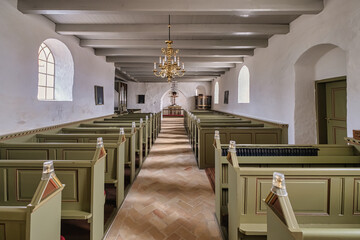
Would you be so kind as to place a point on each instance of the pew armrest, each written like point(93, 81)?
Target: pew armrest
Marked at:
point(332, 231)
point(253, 229)
point(75, 214)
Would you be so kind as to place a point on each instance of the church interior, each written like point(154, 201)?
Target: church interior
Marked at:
point(179, 120)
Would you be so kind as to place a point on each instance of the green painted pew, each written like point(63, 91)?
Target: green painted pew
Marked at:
point(109, 130)
point(156, 117)
point(287, 221)
point(82, 198)
point(142, 126)
point(36, 219)
point(152, 119)
point(327, 157)
point(246, 135)
point(331, 188)
point(114, 170)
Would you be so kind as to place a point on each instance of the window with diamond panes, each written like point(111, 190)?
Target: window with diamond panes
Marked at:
point(46, 84)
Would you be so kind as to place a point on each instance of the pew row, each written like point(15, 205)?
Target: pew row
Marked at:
point(114, 171)
point(140, 126)
point(332, 190)
point(286, 221)
point(275, 155)
point(147, 120)
point(202, 126)
point(82, 198)
point(246, 135)
point(52, 147)
point(39, 218)
point(105, 131)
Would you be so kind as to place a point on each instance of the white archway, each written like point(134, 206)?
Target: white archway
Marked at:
point(187, 103)
point(200, 89)
point(317, 63)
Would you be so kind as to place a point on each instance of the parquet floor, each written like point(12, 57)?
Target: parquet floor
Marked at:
point(171, 198)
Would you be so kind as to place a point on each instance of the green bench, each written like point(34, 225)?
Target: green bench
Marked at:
point(36, 219)
point(114, 170)
point(222, 164)
point(148, 117)
point(287, 221)
point(82, 198)
point(118, 149)
point(247, 135)
point(109, 130)
point(250, 177)
point(142, 127)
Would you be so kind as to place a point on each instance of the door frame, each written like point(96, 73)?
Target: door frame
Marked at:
point(320, 107)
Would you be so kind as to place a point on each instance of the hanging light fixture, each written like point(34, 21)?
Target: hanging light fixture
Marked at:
point(169, 63)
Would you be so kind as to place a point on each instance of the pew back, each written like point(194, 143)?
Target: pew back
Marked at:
point(39, 220)
point(331, 190)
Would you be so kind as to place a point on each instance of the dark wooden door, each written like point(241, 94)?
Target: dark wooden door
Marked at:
point(336, 112)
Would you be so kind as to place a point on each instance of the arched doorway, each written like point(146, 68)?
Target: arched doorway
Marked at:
point(314, 71)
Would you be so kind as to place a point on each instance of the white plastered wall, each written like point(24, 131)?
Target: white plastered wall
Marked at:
point(272, 69)
point(156, 95)
point(20, 38)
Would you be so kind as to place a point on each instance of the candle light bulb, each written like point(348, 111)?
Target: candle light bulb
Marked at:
point(154, 65)
point(183, 65)
point(160, 60)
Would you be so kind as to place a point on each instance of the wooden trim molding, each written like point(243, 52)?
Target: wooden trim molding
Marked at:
point(43, 129)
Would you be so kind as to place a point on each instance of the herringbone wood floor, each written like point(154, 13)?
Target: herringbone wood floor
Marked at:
point(171, 198)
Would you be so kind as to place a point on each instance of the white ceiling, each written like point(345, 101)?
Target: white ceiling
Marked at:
point(212, 35)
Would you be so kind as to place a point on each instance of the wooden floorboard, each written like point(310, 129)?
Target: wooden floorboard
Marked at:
point(171, 198)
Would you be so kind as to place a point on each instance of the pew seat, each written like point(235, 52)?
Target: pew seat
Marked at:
point(75, 214)
point(253, 229)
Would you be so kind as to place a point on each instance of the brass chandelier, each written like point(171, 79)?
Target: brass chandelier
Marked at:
point(169, 62)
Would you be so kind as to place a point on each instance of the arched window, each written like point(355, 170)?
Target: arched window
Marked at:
point(244, 85)
point(46, 83)
point(216, 93)
point(55, 71)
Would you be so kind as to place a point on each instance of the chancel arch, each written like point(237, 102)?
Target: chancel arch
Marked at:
point(320, 62)
point(186, 102)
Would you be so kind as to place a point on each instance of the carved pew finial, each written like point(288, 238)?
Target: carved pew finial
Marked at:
point(48, 170)
point(100, 142)
point(278, 184)
point(232, 146)
point(217, 134)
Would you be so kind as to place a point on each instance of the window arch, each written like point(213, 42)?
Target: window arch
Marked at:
point(216, 93)
point(244, 85)
point(46, 81)
point(55, 71)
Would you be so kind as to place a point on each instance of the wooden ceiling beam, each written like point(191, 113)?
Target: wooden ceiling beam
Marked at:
point(230, 7)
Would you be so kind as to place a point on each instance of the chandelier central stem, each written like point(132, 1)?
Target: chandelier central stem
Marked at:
point(169, 26)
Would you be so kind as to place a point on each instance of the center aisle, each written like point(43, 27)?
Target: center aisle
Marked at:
point(170, 198)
